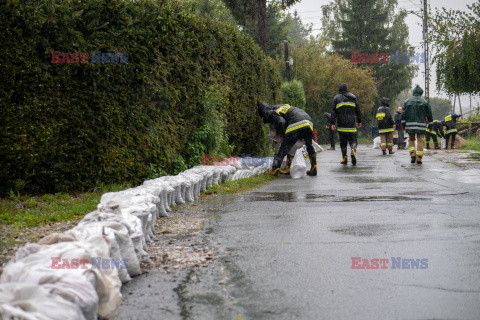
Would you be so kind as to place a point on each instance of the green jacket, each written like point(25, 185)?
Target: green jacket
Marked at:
point(416, 112)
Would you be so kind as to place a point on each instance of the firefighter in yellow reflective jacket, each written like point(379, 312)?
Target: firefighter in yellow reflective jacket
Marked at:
point(433, 132)
point(297, 126)
point(346, 118)
point(450, 123)
point(386, 126)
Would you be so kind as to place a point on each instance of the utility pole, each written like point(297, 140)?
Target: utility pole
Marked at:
point(287, 60)
point(427, 56)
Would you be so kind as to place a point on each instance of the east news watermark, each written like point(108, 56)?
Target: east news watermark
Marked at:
point(392, 57)
point(397, 263)
point(85, 57)
point(92, 263)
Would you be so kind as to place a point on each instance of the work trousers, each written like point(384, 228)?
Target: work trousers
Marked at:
point(331, 134)
point(386, 141)
point(418, 151)
point(347, 138)
point(289, 141)
point(432, 136)
point(447, 137)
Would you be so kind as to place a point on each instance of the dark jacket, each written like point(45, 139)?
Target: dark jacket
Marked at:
point(328, 119)
point(398, 120)
point(384, 117)
point(436, 128)
point(295, 118)
point(277, 123)
point(416, 112)
point(450, 122)
point(345, 109)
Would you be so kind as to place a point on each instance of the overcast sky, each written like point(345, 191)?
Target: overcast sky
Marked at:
point(310, 12)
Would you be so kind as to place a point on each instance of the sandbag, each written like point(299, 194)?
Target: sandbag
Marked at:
point(376, 143)
point(299, 167)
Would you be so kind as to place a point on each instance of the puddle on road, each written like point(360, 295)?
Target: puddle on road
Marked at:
point(365, 230)
point(317, 197)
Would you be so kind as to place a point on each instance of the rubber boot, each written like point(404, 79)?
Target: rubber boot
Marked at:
point(354, 156)
point(390, 151)
point(419, 160)
point(344, 156)
point(313, 166)
point(413, 160)
point(437, 146)
point(384, 152)
point(428, 145)
point(275, 167)
point(288, 165)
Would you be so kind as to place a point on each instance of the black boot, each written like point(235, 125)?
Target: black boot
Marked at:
point(428, 145)
point(289, 163)
point(275, 167)
point(436, 146)
point(354, 156)
point(313, 169)
point(344, 156)
point(384, 152)
point(413, 159)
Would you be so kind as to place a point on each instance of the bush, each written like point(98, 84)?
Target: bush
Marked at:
point(71, 126)
point(293, 94)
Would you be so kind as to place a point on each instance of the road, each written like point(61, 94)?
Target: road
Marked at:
point(295, 249)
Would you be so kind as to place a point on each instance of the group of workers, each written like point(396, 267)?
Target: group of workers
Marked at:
point(416, 118)
point(291, 124)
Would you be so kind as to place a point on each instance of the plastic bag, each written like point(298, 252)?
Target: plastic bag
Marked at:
point(444, 143)
point(376, 143)
point(299, 167)
point(317, 147)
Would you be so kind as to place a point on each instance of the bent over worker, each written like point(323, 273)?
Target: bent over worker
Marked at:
point(385, 126)
point(450, 123)
point(416, 113)
point(433, 132)
point(346, 118)
point(298, 126)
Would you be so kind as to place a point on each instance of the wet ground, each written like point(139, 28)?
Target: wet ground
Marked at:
point(385, 239)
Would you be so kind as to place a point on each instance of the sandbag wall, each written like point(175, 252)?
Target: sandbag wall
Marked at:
point(78, 274)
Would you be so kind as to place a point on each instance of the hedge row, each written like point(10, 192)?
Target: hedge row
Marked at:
point(70, 126)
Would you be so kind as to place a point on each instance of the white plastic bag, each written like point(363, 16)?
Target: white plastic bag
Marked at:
point(317, 147)
point(299, 167)
point(376, 143)
point(444, 143)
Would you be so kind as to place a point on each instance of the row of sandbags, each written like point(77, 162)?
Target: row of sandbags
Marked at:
point(78, 274)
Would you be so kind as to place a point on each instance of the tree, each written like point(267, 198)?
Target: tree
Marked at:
point(296, 30)
point(251, 12)
point(322, 72)
point(440, 107)
point(456, 38)
point(371, 26)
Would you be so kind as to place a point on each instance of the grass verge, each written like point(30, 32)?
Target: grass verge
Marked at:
point(239, 186)
point(34, 211)
point(473, 143)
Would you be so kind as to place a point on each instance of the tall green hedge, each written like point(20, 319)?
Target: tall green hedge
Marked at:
point(294, 94)
point(70, 126)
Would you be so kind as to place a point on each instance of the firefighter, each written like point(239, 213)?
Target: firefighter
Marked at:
point(433, 132)
point(346, 118)
point(385, 126)
point(331, 133)
point(450, 123)
point(416, 113)
point(297, 125)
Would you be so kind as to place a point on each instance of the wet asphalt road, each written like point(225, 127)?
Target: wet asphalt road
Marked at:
point(285, 250)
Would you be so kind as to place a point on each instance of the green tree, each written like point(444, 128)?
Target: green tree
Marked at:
point(371, 26)
point(215, 10)
point(440, 107)
point(293, 94)
point(252, 15)
point(456, 38)
point(322, 72)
